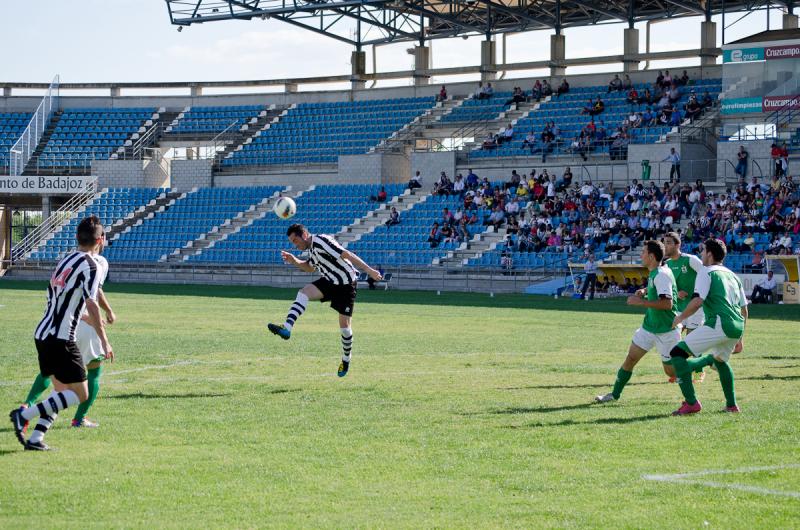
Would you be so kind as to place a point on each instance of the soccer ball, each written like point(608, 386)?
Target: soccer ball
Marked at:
point(285, 208)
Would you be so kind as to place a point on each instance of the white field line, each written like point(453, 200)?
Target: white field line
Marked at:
point(691, 478)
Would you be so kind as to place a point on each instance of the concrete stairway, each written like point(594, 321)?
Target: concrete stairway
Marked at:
point(230, 226)
point(410, 132)
point(515, 113)
point(380, 215)
point(31, 166)
point(474, 248)
point(247, 132)
point(140, 214)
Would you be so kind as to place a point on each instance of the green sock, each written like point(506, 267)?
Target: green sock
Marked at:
point(726, 379)
point(623, 376)
point(40, 384)
point(698, 363)
point(684, 373)
point(94, 387)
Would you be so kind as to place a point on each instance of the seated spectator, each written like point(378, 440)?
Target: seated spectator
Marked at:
point(565, 181)
point(447, 233)
point(518, 96)
point(486, 92)
point(547, 90)
point(563, 88)
point(447, 217)
point(599, 107)
point(667, 80)
point(646, 98)
point(757, 263)
point(706, 101)
point(415, 182)
point(529, 142)
point(764, 291)
point(496, 218)
point(553, 242)
point(693, 109)
point(472, 180)
point(394, 217)
point(675, 118)
point(380, 197)
point(627, 84)
point(462, 230)
point(619, 148)
point(513, 183)
point(683, 80)
point(589, 107)
point(674, 94)
point(506, 134)
point(434, 235)
point(479, 94)
point(659, 80)
point(444, 186)
point(459, 186)
point(490, 142)
point(536, 92)
point(633, 96)
point(615, 85)
point(442, 94)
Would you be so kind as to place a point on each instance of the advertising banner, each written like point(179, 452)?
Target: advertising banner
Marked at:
point(743, 55)
point(741, 105)
point(44, 185)
point(773, 103)
point(789, 51)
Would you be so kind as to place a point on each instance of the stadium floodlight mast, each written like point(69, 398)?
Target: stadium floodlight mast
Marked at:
point(384, 21)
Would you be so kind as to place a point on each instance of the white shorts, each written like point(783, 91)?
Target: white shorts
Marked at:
point(663, 342)
point(711, 340)
point(88, 343)
point(695, 321)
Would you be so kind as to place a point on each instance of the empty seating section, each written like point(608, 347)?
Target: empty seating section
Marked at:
point(188, 218)
point(12, 125)
point(326, 210)
point(479, 109)
point(566, 113)
point(110, 206)
point(315, 133)
point(83, 135)
point(199, 120)
point(407, 243)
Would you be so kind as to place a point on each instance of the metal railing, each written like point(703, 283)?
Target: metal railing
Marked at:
point(52, 223)
point(24, 147)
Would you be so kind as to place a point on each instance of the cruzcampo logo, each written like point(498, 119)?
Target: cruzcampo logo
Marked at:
point(741, 105)
point(743, 55)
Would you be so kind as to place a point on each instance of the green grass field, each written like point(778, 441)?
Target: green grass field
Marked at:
point(459, 411)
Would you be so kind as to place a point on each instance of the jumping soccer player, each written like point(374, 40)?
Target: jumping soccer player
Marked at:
point(685, 268)
point(73, 287)
point(657, 331)
point(91, 350)
point(337, 284)
point(724, 302)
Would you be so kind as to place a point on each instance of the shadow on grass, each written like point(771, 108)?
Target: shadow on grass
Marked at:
point(561, 387)
point(4, 452)
point(770, 377)
point(532, 410)
point(140, 395)
point(506, 301)
point(599, 421)
point(779, 358)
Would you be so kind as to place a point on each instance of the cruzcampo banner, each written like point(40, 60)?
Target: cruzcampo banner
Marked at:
point(772, 103)
point(790, 51)
point(741, 105)
point(743, 55)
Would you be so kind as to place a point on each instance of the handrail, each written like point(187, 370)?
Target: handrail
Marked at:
point(22, 150)
point(56, 219)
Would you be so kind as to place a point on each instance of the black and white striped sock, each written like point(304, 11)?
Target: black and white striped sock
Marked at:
point(55, 403)
point(347, 343)
point(297, 309)
point(42, 426)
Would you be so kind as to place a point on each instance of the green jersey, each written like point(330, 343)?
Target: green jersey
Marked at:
point(685, 268)
point(723, 299)
point(660, 283)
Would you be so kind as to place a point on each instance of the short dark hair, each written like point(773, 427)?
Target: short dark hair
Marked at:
point(90, 229)
point(674, 236)
point(717, 248)
point(296, 229)
point(656, 248)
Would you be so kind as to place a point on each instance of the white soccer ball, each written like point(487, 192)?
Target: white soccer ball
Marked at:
point(285, 208)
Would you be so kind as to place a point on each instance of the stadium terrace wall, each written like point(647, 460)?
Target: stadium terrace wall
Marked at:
point(27, 103)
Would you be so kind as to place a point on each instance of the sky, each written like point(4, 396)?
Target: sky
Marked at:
point(133, 40)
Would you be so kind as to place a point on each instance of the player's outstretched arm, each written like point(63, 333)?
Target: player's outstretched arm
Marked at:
point(290, 259)
point(358, 262)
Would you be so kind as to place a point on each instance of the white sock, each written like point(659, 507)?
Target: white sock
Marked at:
point(42, 426)
point(52, 405)
point(347, 343)
point(297, 309)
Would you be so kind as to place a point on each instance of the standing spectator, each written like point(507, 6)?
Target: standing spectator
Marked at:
point(627, 84)
point(442, 94)
point(590, 268)
point(675, 169)
point(763, 292)
point(741, 165)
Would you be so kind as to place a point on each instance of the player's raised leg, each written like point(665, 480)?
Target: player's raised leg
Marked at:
point(305, 295)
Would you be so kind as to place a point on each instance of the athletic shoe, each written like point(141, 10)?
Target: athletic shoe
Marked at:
point(18, 422)
point(699, 377)
point(673, 380)
point(605, 398)
point(734, 408)
point(24, 425)
point(280, 331)
point(36, 446)
point(688, 409)
point(85, 422)
point(344, 366)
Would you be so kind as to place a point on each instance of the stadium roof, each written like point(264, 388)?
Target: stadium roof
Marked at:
point(771, 35)
point(364, 22)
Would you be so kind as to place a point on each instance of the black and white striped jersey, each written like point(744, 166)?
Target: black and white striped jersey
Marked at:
point(74, 280)
point(325, 254)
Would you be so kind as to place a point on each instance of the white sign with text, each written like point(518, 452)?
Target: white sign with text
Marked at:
point(44, 184)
